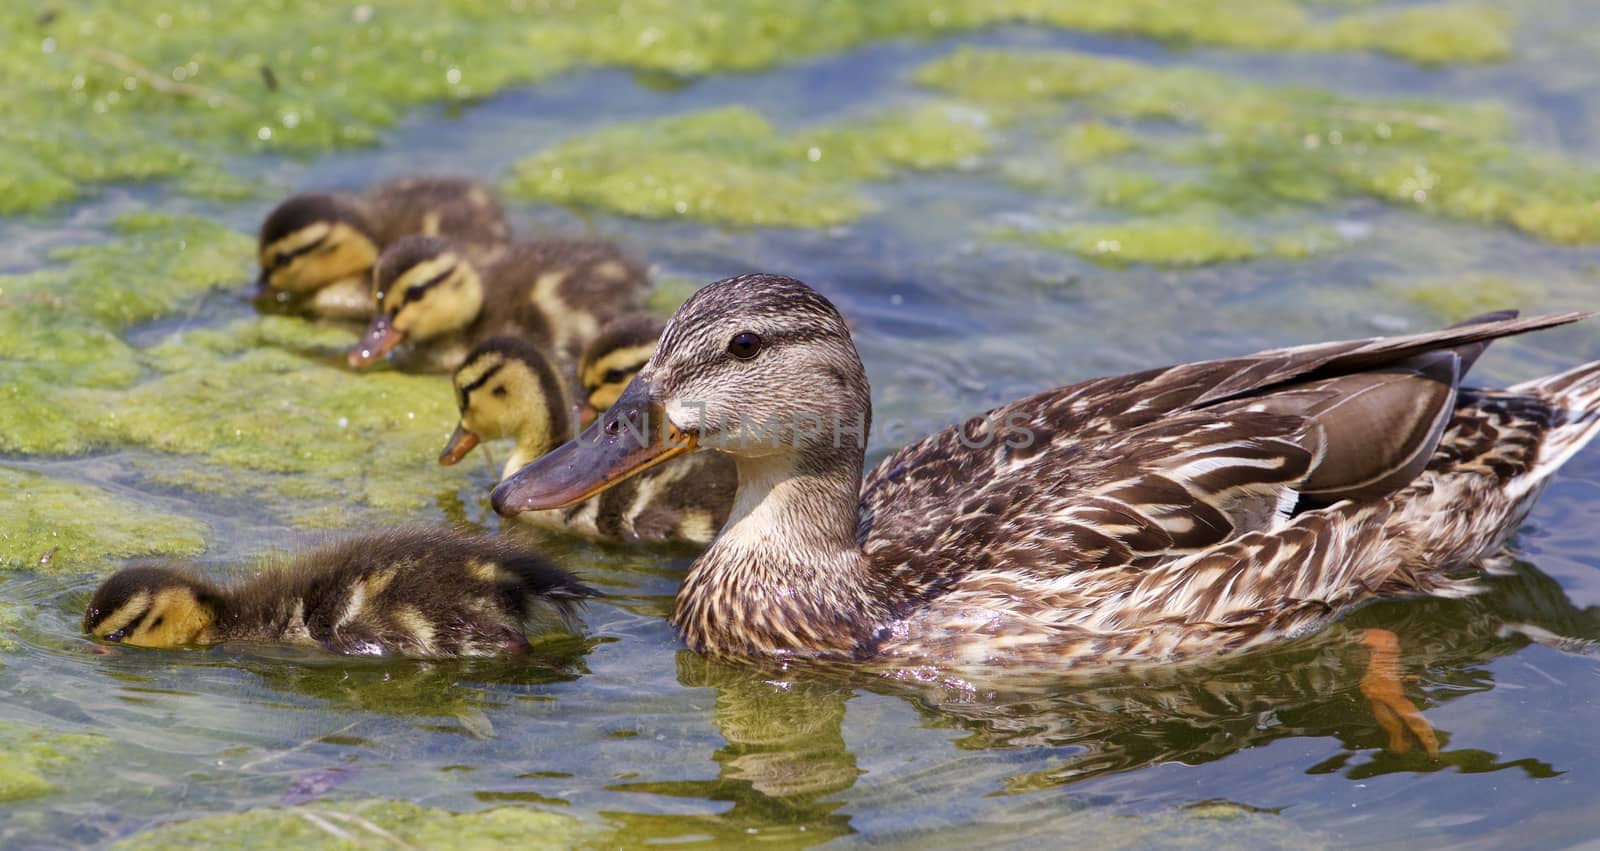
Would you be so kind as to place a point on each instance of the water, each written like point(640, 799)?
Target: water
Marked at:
point(627, 731)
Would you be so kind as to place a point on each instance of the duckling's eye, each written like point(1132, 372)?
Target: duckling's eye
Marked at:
point(500, 392)
point(612, 376)
point(745, 345)
point(415, 291)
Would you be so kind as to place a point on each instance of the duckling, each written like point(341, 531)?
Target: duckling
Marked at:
point(507, 388)
point(610, 361)
point(446, 298)
point(429, 593)
point(317, 249)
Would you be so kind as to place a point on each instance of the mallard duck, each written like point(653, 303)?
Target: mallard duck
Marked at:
point(317, 249)
point(422, 593)
point(622, 348)
point(507, 388)
point(1192, 510)
point(446, 299)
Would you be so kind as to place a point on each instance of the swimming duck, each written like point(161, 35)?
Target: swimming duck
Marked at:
point(421, 593)
point(507, 388)
point(316, 249)
point(613, 358)
point(446, 298)
point(1193, 510)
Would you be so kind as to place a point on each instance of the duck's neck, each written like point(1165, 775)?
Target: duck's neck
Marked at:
point(786, 575)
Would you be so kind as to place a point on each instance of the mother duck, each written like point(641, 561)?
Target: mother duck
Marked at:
point(1197, 509)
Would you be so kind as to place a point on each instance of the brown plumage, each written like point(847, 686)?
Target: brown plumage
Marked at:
point(316, 250)
point(423, 593)
point(1191, 510)
point(507, 388)
point(445, 298)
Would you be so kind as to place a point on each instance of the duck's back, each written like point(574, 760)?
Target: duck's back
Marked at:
point(1175, 495)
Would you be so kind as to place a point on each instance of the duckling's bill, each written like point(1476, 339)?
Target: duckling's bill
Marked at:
point(462, 441)
point(632, 436)
point(380, 339)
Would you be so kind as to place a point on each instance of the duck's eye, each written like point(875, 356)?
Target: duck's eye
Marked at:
point(745, 345)
point(614, 375)
point(500, 392)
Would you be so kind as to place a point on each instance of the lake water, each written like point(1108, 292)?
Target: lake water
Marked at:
point(652, 744)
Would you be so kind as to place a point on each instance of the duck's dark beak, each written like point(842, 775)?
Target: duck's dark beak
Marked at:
point(381, 336)
point(461, 442)
point(629, 438)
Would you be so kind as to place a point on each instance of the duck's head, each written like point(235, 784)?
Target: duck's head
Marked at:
point(622, 348)
point(424, 287)
point(759, 367)
point(508, 388)
point(312, 240)
point(153, 606)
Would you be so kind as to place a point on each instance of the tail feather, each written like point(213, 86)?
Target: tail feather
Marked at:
point(1574, 396)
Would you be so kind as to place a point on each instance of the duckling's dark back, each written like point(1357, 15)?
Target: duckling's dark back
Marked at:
point(428, 592)
point(461, 209)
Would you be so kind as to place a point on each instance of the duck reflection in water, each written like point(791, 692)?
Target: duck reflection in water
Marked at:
point(786, 752)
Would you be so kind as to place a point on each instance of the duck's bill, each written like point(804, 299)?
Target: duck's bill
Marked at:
point(461, 442)
point(631, 437)
point(380, 339)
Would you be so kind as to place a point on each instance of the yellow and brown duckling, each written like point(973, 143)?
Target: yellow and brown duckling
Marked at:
point(445, 298)
point(422, 593)
point(507, 388)
point(316, 249)
point(610, 361)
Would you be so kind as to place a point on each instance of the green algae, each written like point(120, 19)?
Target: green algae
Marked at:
point(370, 823)
point(1455, 298)
point(1093, 140)
point(59, 325)
point(1251, 147)
point(33, 755)
point(732, 166)
point(116, 90)
point(259, 407)
point(1160, 242)
point(313, 431)
point(49, 524)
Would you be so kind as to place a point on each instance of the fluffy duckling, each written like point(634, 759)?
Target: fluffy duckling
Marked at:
point(317, 249)
point(422, 593)
point(447, 298)
point(507, 388)
point(610, 361)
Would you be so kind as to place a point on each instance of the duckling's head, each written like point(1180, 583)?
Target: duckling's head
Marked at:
point(312, 240)
point(424, 288)
point(153, 606)
point(611, 360)
point(759, 366)
point(508, 388)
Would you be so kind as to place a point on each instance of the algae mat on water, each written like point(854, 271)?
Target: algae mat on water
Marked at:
point(1186, 144)
point(259, 408)
point(373, 823)
point(122, 90)
point(731, 166)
